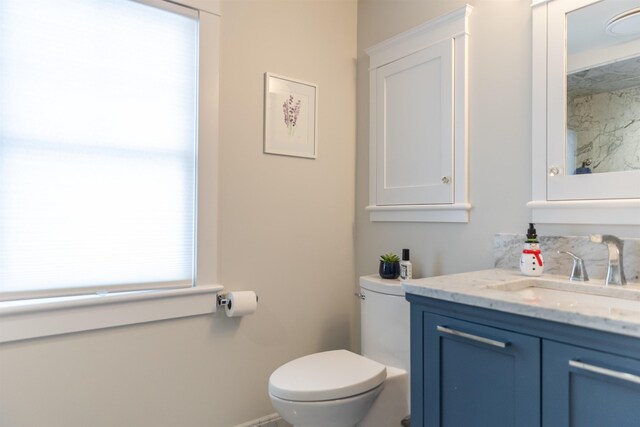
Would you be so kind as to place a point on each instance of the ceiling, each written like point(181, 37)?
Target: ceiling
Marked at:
point(603, 62)
point(586, 27)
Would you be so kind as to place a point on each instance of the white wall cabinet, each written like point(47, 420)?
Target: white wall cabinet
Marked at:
point(418, 123)
point(558, 196)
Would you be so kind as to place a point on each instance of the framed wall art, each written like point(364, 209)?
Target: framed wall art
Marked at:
point(290, 111)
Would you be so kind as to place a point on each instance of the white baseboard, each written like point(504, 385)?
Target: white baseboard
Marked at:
point(272, 420)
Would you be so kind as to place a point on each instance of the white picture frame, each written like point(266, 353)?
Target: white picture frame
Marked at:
point(290, 117)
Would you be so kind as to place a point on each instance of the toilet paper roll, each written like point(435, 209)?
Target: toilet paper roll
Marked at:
point(241, 303)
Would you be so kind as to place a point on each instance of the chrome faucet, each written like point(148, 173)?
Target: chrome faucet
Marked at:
point(579, 271)
point(615, 270)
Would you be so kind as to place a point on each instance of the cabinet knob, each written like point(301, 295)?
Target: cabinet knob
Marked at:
point(446, 179)
point(554, 170)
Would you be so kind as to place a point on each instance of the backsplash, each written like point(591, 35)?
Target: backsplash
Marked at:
point(508, 247)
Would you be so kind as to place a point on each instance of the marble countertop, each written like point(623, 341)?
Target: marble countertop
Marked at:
point(493, 289)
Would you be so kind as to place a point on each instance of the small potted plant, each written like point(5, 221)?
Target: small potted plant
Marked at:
point(389, 266)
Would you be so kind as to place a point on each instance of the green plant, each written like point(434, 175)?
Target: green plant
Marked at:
point(390, 258)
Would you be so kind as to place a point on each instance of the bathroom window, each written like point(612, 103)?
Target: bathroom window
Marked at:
point(99, 130)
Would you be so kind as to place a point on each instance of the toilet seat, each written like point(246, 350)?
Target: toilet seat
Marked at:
point(328, 375)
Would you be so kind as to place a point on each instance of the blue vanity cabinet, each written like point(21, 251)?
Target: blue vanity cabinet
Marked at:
point(588, 388)
point(477, 367)
point(478, 375)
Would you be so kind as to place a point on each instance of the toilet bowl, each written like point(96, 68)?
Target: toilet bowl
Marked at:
point(334, 388)
point(335, 413)
point(339, 388)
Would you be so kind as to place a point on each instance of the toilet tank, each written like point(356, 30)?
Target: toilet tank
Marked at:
point(384, 322)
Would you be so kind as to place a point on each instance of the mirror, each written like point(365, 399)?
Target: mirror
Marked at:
point(567, 53)
point(603, 88)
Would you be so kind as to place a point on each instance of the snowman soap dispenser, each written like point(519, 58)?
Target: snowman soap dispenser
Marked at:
point(531, 259)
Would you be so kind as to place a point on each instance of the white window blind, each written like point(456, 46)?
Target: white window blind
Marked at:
point(98, 127)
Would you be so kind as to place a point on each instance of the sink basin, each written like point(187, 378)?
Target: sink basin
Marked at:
point(573, 296)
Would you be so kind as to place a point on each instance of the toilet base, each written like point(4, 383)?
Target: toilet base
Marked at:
point(392, 405)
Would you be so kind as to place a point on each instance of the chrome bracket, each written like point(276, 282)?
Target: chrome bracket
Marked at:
point(223, 301)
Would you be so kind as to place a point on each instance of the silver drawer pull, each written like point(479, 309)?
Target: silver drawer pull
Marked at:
point(625, 376)
point(472, 337)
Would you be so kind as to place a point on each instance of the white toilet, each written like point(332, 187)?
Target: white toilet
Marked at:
point(343, 389)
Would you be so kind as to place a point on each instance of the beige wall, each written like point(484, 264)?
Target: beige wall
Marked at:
point(499, 139)
point(286, 231)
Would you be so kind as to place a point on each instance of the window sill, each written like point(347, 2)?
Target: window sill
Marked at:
point(54, 316)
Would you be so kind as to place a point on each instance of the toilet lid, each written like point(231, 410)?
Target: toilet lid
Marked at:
point(326, 376)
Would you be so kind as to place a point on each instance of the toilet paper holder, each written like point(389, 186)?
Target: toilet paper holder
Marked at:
point(223, 301)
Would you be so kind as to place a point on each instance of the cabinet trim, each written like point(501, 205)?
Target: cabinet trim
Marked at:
point(619, 212)
point(453, 24)
point(456, 212)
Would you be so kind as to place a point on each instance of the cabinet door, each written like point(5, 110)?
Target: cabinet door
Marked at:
point(476, 375)
point(414, 128)
point(587, 388)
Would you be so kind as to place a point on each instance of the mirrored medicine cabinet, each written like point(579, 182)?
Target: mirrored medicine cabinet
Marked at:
point(586, 111)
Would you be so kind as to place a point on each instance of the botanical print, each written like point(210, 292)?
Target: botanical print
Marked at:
point(291, 110)
point(290, 122)
point(290, 117)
